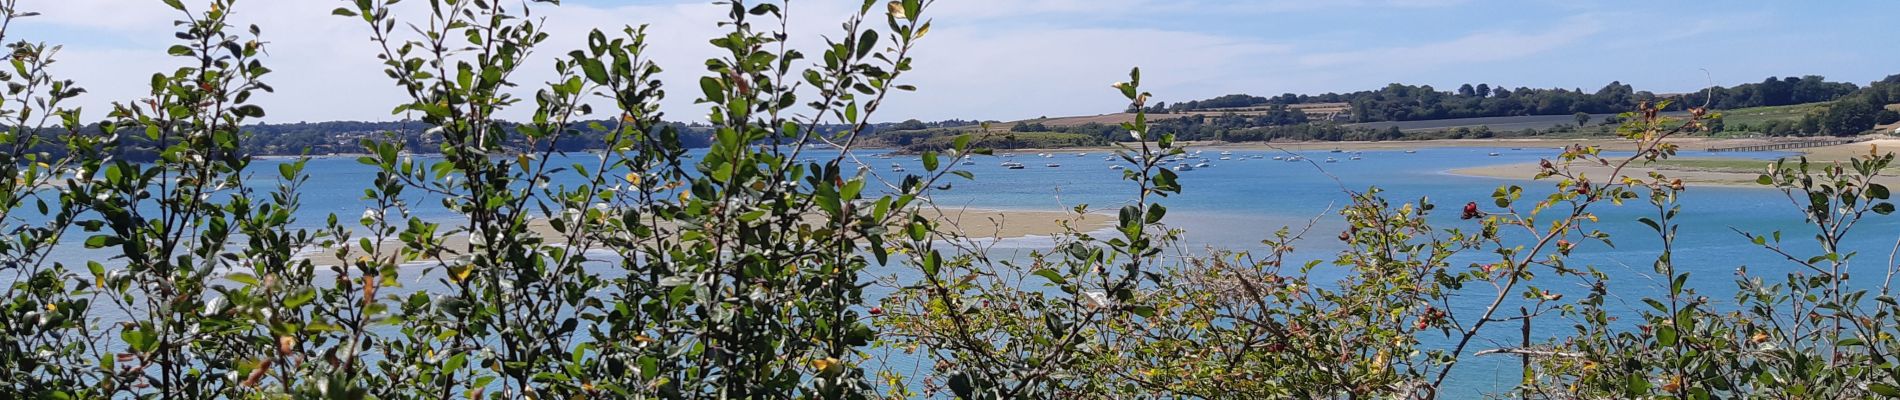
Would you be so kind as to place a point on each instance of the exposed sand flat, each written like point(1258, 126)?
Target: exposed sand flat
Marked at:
point(1845, 151)
point(1695, 176)
point(979, 223)
point(1526, 171)
point(1016, 223)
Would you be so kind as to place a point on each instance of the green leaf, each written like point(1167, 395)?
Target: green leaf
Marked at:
point(1155, 212)
point(595, 70)
point(867, 42)
point(1052, 276)
point(1884, 389)
point(103, 241)
point(960, 385)
point(300, 298)
point(713, 89)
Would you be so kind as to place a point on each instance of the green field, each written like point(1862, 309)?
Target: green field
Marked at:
point(1755, 116)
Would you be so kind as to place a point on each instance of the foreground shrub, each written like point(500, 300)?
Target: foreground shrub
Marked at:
point(645, 273)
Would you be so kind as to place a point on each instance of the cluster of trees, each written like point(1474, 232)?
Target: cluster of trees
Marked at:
point(1853, 114)
point(1400, 102)
point(1778, 92)
point(915, 124)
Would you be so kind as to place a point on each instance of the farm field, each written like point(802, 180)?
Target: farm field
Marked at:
point(1497, 124)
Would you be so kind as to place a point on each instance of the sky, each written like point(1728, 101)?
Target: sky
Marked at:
point(1015, 59)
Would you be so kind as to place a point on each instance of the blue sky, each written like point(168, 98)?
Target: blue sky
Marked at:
point(1013, 59)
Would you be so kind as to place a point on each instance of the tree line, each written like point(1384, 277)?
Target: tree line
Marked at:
point(1401, 102)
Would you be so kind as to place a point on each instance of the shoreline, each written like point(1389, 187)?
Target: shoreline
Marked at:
point(1685, 168)
point(1605, 142)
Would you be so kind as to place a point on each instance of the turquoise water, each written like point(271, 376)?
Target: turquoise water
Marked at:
point(1236, 203)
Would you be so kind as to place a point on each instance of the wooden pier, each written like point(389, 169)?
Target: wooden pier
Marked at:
point(1791, 145)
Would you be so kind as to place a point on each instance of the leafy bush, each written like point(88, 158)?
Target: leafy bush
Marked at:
point(743, 273)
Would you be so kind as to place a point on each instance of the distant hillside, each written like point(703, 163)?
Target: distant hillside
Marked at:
point(1401, 112)
point(1321, 111)
point(1400, 102)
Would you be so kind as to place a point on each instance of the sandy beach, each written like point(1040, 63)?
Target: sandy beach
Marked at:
point(977, 223)
point(1695, 171)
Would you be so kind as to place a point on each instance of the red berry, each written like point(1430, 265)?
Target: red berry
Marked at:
point(877, 310)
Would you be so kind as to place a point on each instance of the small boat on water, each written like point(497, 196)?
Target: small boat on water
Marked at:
point(1494, 154)
point(1183, 167)
point(1082, 155)
point(1337, 150)
point(1226, 158)
point(1278, 158)
point(1053, 165)
point(1012, 165)
point(1357, 157)
point(1203, 165)
point(896, 168)
point(1331, 160)
point(1411, 152)
point(968, 162)
point(1226, 153)
point(1115, 167)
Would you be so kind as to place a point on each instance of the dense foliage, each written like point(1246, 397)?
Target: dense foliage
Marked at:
point(743, 273)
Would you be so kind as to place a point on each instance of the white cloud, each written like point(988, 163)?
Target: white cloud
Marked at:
point(967, 72)
point(1479, 47)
